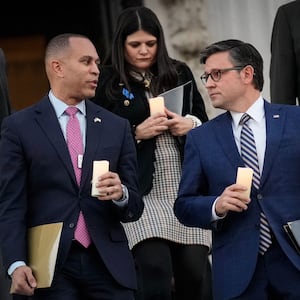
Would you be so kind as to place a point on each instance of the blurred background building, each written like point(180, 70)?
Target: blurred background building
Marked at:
point(25, 28)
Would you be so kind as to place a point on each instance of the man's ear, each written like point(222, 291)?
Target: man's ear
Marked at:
point(57, 68)
point(247, 74)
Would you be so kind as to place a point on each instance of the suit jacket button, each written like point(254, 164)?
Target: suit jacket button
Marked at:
point(71, 225)
point(259, 196)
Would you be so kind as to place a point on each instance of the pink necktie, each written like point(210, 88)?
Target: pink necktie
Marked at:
point(75, 145)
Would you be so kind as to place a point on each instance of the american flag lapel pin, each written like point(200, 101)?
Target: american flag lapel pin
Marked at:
point(97, 120)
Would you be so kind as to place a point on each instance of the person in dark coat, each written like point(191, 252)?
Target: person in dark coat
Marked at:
point(285, 55)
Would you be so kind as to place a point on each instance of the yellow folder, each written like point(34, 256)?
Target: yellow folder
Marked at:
point(43, 242)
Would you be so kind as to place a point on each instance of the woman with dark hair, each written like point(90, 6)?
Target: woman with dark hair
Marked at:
point(168, 255)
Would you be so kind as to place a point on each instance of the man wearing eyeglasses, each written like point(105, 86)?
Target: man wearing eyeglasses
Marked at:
point(247, 262)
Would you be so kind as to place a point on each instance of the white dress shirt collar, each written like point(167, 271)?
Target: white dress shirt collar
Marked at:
point(256, 112)
point(60, 106)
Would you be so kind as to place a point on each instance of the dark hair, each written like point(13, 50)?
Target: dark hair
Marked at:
point(130, 21)
point(240, 54)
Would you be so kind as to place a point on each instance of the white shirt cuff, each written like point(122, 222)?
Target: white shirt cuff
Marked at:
point(15, 265)
point(124, 200)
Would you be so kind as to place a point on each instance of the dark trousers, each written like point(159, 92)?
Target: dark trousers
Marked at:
point(167, 270)
point(84, 277)
point(275, 278)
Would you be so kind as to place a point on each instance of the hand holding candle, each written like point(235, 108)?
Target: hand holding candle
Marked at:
point(99, 167)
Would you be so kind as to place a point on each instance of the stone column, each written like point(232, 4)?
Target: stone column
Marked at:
point(185, 31)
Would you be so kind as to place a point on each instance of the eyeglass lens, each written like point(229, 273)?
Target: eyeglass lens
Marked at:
point(217, 74)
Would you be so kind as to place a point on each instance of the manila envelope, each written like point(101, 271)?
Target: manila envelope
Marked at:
point(43, 243)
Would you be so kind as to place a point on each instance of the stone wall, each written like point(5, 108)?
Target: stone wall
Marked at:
point(189, 25)
point(186, 34)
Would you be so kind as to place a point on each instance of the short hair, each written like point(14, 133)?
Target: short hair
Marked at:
point(240, 54)
point(60, 43)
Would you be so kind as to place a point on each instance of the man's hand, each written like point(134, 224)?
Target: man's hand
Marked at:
point(23, 281)
point(109, 186)
point(232, 199)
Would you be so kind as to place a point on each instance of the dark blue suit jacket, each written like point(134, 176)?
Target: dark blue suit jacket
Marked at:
point(38, 185)
point(210, 165)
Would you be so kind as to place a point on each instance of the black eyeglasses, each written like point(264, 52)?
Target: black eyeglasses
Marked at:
point(216, 74)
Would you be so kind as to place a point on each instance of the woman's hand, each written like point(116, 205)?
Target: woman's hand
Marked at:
point(177, 124)
point(151, 127)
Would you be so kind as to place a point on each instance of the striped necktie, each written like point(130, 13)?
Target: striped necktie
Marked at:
point(249, 155)
point(75, 145)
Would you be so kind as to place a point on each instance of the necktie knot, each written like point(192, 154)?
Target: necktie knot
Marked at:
point(244, 119)
point(71, 111)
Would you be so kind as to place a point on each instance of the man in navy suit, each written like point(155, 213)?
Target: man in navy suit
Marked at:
point(38, 183)
point(209, 196)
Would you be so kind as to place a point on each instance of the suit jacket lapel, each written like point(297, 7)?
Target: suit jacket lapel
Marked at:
point(47, 120)
point(93, 134)
point(275, 120)
point(224, 133)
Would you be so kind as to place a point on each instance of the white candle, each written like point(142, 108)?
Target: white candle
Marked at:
point(244, 177)
point(99, 167)
point(156, 104)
